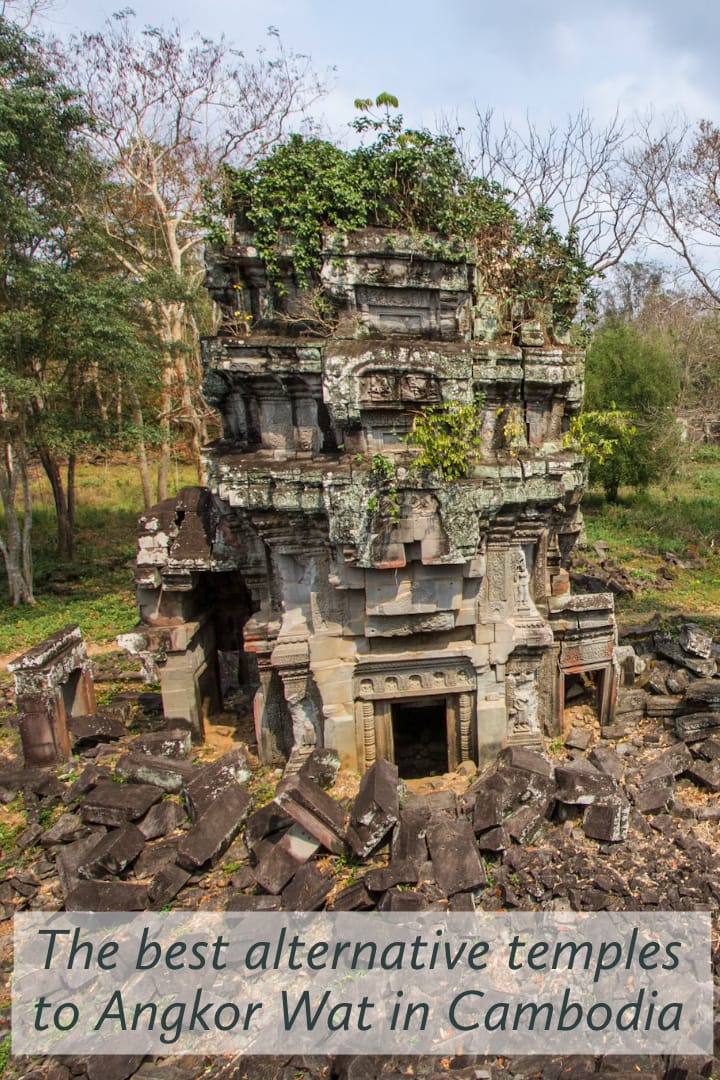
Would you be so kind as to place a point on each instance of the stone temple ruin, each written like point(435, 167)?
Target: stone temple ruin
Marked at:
point(361, 604)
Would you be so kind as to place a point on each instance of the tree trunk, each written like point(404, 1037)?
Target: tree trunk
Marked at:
point(15, 544)
point(137, 415)
point(64, 503)
point(165, 445)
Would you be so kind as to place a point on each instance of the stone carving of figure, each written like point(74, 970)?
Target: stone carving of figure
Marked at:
point(380, 387)
point(521, 581)
point(416, 387)
point(523, 703)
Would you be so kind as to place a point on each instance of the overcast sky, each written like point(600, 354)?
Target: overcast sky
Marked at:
point(542, 57)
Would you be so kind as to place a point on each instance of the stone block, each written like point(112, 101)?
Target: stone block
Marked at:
point(88, 779)
point(488, 810)
point(96, 728)
point(494, 840)
point(607, 761)
point(266, 821)
point(580, 783)
point(399, 872)
point(209, 783)
point(67, 828)
point(117, 850)
point(106, 896)
point(354, 898)
point(705, 773)
point(402, 900)
point(693, 727)
point(703, 694)
point(457, 865)
point(262, 902)
point(709, 749)
point(311, 807)
point(169, 774)
point(524, 824)
point(376, 809)
point(307, 890)
point(161, 819)
point(275, 867)
point(115, 804)
point(70, 857)
point(521, 757)
point(165, 885)
point(215, 830)
point(113, 1066)
point(656, 799)
point(175, 743)
point(668, 765)
point(670, 650)
point(607, 819)
point(409, 841)
point(578, 738)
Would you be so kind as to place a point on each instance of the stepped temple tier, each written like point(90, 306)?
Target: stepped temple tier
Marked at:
point(366, 595)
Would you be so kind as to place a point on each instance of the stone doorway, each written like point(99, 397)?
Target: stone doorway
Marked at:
point(420, 737)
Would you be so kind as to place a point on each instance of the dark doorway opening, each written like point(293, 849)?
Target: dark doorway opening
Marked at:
point(420, 737)
point(582, 693)
point(69, 691)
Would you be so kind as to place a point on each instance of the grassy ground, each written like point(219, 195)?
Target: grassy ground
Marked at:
point(96, 590)
point(681, 519)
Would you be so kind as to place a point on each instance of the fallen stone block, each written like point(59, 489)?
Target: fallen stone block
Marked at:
point(162, 818)
point(462, 901)
point(275, 867)
point(703, 694)
point(95, 728)
point(154, 857)
point(705, 773)
point(266, 821)
point(607, 761)
point(66, 829)
point(403, 900)
point(409, 841)
point(607, 819)
point(307, 890)
point(113, 1066)
point(494, 840)
point(175, 744)
point(709, 749)
point(532, 761)
point(70, 856)
point(112, 854)
point(262, 902)
point(311, 807)
point(115, 804)
point(457, 865)
point(580, 783)
point(166, 773)
point(210, 782)
point(670, 650)
point(656, 799)
point(668, 765)
point(107, 896)
point(89, 778)
point(354, 898)
point(376, 809)
point(488, 811)
point(630, 702)
point(166, 884)
point(660, 707)
point(578, 738)
point(397, 873)
point(319, 765)
point(692, 727)
point(213, 833)
point(525, 823)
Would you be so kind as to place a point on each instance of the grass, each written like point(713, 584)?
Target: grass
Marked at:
point(96, 590)
point(681, 519)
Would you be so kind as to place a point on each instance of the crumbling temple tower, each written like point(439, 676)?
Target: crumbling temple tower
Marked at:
point(363, 604)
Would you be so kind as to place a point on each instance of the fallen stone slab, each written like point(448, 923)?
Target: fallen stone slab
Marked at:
point(166, 884)
point(175, 743)
point(399, 872)
point(432, 802)
point(117, 850)
point(265, 822)
point(696, 641)
point(494, 840)
point(607, 761)
point(607, 819)
point(532, 761)
point(354, 898)
point(95, 728)
point(262, 902)
point(70, 857)
point(403, 900)
point(692, 727)
point(162, 818)
point(376, 809)
point(154, 857)
point(630, 703)
point(275, 867)
point(169, 774)
point(115, 804)
point(409, 841)
point(524, 824)
point(107, 896)
point(457, 865)
point(578, 738)
point(307, 890)
point(215, 830)
point(89, 778)
point(668, 765)
point(462, 901)
point(65, 830)
point(705, 773)
point(670, 650)
point(229, 772)
point(653, 800)
point(488, 811)
point(311, 807)
point(660, 707)
point(709, 749)
point(580, 783)
point(319, 765)
point(113, 1066)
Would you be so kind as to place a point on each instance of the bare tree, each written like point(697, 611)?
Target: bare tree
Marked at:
point(580, 172)
point(169, 113)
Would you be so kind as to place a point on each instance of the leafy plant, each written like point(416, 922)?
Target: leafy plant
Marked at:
point(449, 437)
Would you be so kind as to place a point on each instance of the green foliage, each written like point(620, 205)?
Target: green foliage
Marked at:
point(449, 437)
point(406, 179)
point(628, 424)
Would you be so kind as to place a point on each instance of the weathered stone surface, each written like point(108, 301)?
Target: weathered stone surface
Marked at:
point(655, 799)
point(169, 774)
point(161, 819)
point(115, 804)
point(67, 828)
point(456, 863)
point(275, 867)
point(705, 773)
point(262, 902)
point(630, 702)
point(525, 823)
point(692, 727)
point(399, 872)
point(375, 810)
point(90, 776)
point(665, 646)
point(668, 765)
point(70, 857)
point(113, 853)
point(319, 765)
point(703, 694)
point(171, 743)
point(166, 884)
point(607, 819)
point(580, 783)
point(154, 857)
point(312, 808)
point(709, 749)
point(307, 890)
point(215, 830)
point(113, 1066)
point(402, 900)
point(97, 728)
point(488, 811)
point(494, 840)
point(354, 898)
point(607, 761)
point(409, 841)
point(269, 819)
point(520, 757)
point(106, 896)
point(227, 773)
point(578, 738)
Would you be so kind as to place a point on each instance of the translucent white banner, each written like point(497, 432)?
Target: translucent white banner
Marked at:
point(429, 983)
